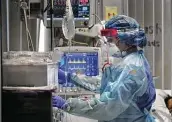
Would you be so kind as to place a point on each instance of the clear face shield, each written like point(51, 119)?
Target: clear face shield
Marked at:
point(111, 42)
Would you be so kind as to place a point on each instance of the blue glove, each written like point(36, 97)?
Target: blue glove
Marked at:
point(62, 77)
point(59, 102)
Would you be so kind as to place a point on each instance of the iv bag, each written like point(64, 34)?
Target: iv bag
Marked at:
point(68, 22)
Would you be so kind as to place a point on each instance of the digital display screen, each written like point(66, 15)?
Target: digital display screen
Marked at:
point(86, 63)
point(84, 8)
point(81, 8)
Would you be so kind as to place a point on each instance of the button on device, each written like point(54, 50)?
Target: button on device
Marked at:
point(85, 23)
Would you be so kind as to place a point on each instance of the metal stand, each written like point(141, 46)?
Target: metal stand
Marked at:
point(51, 23)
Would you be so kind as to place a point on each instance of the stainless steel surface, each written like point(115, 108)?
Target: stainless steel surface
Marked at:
point(14, 25)
point(22, 75)
point(28, 69)
point(98, 10)
point(4, 25)
point(8, 29)
point(92, 11)
point(21, 35)
point(38, 23)
point(41, 88)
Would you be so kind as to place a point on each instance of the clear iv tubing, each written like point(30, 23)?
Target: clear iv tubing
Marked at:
point(67, 70)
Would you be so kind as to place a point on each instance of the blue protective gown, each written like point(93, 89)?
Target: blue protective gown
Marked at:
point(126, 93)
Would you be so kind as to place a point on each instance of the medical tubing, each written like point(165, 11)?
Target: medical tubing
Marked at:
point(31, 40)
point(26, 29)
point(47, 7)
point(28, 32)
point(99, 21)
point(66, 68)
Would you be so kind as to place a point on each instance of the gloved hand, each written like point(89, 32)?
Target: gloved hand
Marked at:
point(63, 76)
point(59, 102)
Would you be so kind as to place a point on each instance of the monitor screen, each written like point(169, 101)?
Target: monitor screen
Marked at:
point(84, 62)
point(81, 8)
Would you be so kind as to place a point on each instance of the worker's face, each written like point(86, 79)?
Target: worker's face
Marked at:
point(170, 105)
point(121, 46)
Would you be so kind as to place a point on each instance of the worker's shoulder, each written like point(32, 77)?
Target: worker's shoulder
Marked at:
point(134, 65)
point(134, 60)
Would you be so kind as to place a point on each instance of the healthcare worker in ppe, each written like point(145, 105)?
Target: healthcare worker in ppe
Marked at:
point(127, 91)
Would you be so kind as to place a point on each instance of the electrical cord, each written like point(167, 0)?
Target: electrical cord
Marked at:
point(28, 32)
point(47, 7)
point(99, 21)
point(98, 18)
point(31, 40)
point(24, 7)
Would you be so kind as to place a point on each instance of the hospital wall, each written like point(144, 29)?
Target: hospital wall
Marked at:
point(155, 16)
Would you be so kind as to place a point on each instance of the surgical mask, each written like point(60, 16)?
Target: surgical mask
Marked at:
point(114, 51)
